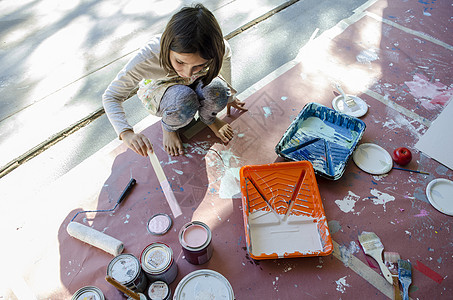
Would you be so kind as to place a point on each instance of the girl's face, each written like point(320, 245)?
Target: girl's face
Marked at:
point(187, 64)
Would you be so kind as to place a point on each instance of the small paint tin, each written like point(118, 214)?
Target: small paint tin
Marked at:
point(159, 224)
point(159, 290)
point(204, 284)
point(125, 268)
point(88, 292)
point(157, 262)
point(195, 239)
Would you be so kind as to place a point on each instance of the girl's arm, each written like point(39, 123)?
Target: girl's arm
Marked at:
point(143, 65)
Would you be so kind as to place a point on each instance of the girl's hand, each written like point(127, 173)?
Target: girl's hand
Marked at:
point(138, 142)
point(239, 105)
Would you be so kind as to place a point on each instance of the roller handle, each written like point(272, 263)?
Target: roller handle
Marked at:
point(122, 288)
point(126, 190)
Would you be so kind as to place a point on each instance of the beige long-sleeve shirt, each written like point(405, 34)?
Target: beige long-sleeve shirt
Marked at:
point(144, 65)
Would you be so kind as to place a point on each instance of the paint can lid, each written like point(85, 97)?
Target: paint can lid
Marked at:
point(159, 224)
point(358, 110)
point(88, 292)
point(124, 268)
point(159, 290)
point(372, 159)
point(195, 235)
point(439, 193)
point(156, 258)
point(204, 284)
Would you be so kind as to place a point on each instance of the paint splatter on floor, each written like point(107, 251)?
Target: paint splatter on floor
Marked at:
point(267, 111)
point(341, 284)
point(348, 202)
point(423, 213)
point(381, 198)
point(429, 93)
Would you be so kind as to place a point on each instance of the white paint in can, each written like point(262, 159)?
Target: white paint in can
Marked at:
point(204, 284)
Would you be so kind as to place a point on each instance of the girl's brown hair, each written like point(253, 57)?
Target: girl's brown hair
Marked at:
point(194, 30)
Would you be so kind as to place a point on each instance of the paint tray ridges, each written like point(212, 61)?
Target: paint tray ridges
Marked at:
point(322, 136)
point(282, 201)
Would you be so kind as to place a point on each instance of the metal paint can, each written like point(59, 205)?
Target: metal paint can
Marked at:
point(195, 239)
point(125, 268)
point(88, 292)
point(142, 297)
point(157, 262)
point(159, 290)
point(204, 284)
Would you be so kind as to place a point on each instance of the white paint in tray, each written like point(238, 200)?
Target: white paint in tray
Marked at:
point(269, 234)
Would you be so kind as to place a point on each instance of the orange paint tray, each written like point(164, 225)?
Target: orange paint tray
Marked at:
point(283, 212)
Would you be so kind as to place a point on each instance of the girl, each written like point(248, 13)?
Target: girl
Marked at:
point(178, 73)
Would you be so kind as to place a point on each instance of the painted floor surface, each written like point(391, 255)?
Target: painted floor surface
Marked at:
point(396, 57)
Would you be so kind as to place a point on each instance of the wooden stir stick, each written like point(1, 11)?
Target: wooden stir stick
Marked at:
point(122, 288)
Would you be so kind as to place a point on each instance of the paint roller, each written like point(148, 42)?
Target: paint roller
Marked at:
point(95, 238)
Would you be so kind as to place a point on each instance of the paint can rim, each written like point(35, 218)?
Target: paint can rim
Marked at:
point(187, 226)
point(165, 287)
point(95, 290)
point(203, 274)
point(117, 259)
point(162, 268)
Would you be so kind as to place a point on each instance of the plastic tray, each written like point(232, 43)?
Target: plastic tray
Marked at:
point(322, 136)
point(282, 210)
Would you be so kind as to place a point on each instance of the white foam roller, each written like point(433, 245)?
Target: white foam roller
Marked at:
point(95, 238)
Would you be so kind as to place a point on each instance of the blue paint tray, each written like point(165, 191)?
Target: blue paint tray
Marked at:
point(324, 137)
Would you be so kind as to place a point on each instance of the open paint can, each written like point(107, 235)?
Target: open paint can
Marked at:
point(158, 264)
point(195, 239)
point(125, 268)
point(88, 292)
point(159, 290)
point(204, 284)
